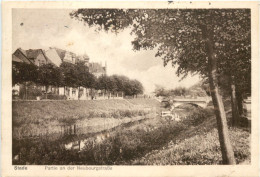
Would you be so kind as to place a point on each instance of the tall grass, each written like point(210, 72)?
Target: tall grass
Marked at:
point(157, 141)
point(129, 143)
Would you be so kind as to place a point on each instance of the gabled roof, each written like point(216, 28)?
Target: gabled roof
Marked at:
point(23, 59)
point(60, 52)
point(16, 59)
point(53, 57)
point(23, 51)
point(33, 53)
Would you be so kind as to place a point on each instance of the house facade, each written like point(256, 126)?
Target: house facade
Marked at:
point(56, 56)
point(69, 57)
point(37, 56)
point(20, 56)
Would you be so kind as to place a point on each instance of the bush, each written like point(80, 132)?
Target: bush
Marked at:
point(56, 97)
point(30, 93)
point(196, 117)
point(126, 113)
point(115, 114)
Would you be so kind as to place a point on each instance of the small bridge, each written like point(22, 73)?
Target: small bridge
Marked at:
point(201, 101)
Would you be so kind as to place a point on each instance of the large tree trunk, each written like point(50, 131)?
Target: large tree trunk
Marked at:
point(235, 114)
point(239, 102)
point(225, 144)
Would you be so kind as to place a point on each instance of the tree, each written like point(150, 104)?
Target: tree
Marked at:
point(103, 83)
point(192, 39)
point(91, 80)
point(81, 75)
point(119, 81)
point(111, 84)
point(137, 87)
point(69, 75)
point(23, 72)
point(48, 75)
point(180, 91)
point(58, 77)
point(91, 83)
point(235, 59)
point(161, 91)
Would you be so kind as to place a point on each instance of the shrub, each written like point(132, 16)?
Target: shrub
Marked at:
point(56, 97)
point(115, 114)
point(126, 113)
point(30, 93)
point(196, 117)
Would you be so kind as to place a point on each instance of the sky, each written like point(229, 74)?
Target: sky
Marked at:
point(44, 28)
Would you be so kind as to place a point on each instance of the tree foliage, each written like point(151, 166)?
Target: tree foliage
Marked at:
point(74, 75)
point(70, 74)
point(177, 34)
point(49, 74)
point(119, 83)
point(203, 41)
point(22, 72)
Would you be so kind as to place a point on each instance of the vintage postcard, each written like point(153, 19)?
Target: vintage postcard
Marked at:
point(130, 89)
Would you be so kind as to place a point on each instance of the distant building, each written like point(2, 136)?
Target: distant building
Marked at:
point(69, 57)
point(60, 52)
point(20, 56)
point(53, 56)
point(84, 58)
point(97, 69)
point(37, 56)
point(56, 56)
point(65, 56)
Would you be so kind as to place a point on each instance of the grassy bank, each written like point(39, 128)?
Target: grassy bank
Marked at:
point(153, 141)
point(199, 149)
point(29, 111)
point(45, 117)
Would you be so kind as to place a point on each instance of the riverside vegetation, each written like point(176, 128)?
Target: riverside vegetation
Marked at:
point(140, 136)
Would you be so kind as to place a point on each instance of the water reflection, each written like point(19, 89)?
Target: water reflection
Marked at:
point(81, 144)
point(68, 129)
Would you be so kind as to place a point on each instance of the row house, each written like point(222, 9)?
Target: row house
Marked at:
point(20, 56)
point(37, 56)
point(69, 57)
point(31, 56)
point(56, 56)
point(53, 56)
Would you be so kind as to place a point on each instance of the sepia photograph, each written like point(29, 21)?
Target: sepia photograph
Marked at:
point(131, 86)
